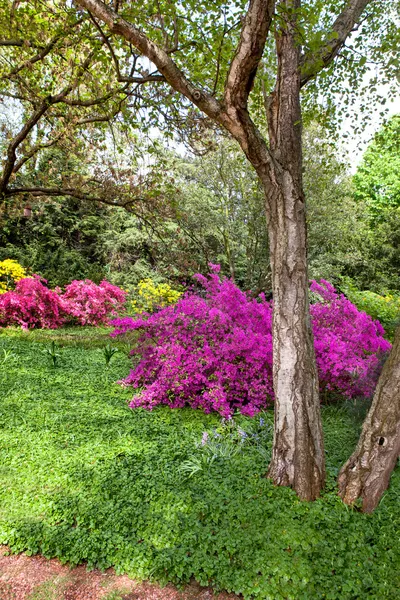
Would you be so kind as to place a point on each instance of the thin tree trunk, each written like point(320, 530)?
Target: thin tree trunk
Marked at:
point(298, 457)
point(367, 473)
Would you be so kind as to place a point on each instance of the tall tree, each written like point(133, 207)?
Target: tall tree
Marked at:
point(179, 64)
point(298, 452)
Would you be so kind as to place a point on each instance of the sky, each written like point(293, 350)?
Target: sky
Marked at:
point(355, 145)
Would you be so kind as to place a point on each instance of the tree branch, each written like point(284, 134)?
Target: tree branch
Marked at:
point(32, 121)
point(34, 150)
point(45, 50)
point(159, 57)
point(19, 43)
point(244, 65)
point(313, 62)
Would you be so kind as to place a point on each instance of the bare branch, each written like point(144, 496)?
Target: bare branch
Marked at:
point(313, 62)
point(244, 65)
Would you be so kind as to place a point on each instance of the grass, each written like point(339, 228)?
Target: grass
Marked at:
point(86, 479)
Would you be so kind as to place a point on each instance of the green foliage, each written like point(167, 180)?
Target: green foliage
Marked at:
point(60, 241)
point(85, 478)
point(377, 189)
point(108, 352)
point(385, 308)
point(336, 223)
point(52, 353)
point(377, 181)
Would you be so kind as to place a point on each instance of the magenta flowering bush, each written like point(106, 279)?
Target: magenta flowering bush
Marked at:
point(90, 304)
point(349, 344)
point(215, 352)
point(33, 304)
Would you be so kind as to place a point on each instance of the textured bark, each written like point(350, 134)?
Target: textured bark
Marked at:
point(298, 453)
point(366, 474)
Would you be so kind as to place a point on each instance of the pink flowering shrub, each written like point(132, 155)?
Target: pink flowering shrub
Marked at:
point(215, 352)
point(31, 304)
point(349, 344)
point(92, 304)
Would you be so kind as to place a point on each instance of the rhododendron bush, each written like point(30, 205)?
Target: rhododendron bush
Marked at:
point(33, 304)
point(91, 304)
point(215, 352)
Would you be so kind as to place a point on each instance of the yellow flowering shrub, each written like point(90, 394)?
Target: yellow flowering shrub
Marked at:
point(150, 295)
point(10, 273)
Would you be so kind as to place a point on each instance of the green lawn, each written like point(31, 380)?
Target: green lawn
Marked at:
point(85, 478)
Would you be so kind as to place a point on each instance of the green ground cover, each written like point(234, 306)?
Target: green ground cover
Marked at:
point(85, 478)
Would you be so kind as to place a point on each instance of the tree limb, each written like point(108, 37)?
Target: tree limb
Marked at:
point(45, 50)
point(38, 191)
point(159, 57)
point(20, 43)
point(32, 121)
point(244, 65)
point(313, 62)
point(34, 150)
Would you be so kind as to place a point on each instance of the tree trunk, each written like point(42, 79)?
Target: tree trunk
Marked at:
point(298, 457)
point(367, 473)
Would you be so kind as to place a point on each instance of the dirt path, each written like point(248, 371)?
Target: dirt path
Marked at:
point(37, 578)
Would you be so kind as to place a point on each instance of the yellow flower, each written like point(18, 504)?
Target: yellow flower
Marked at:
point(10, 273)
point(150, 295)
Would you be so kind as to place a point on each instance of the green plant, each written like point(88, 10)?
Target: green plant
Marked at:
point(7, 355)
point(52, 353)
point(88, 480)
point(108, 353)
point(227, 440)
point(383, 307)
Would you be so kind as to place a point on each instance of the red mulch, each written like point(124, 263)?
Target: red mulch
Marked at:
point(37, 578)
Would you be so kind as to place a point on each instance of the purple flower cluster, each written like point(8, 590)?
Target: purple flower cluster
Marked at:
point(33, 304)
point(349, 344)
point(215, 352)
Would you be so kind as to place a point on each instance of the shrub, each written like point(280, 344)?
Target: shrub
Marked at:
point(349, 344)
point(10, 273)
point(385, 308)
point(150, 296)
point(31, 304)
point(92, 304)
point(215, 352)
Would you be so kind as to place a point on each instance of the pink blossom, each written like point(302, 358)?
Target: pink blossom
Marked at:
point(33, 304)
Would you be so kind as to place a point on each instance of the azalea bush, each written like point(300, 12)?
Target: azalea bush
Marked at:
point(10, 273)
point(215, 352)
point(349, 344)
point(33, 304)
point(87, 303)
